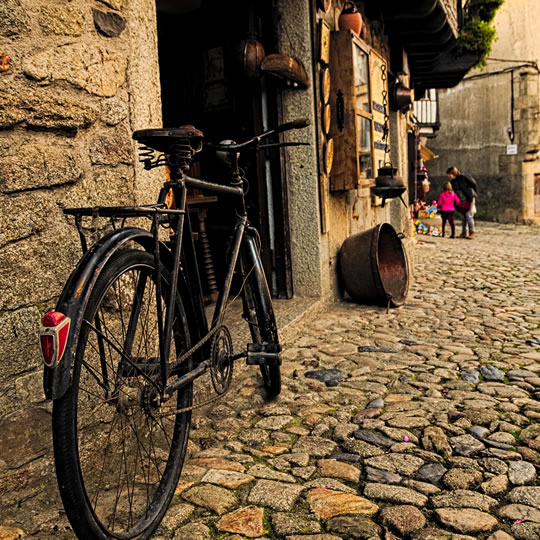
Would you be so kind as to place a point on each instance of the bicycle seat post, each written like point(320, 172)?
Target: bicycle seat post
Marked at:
point(176, 174)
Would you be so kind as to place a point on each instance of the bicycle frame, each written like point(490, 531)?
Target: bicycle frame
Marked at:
point(57, 376)
point(183, 255)
point(184, 245)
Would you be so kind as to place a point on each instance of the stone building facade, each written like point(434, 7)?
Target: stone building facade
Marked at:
point(490, 121)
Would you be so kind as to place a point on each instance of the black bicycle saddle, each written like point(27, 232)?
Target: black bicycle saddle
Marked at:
point(163, 139)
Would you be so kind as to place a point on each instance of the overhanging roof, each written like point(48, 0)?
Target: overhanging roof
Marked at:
point(428, 31)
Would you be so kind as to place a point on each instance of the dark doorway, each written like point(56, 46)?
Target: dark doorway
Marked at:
point(204, 83)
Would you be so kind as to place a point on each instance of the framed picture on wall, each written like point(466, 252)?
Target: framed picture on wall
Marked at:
point(215, 89)
point(324, 52)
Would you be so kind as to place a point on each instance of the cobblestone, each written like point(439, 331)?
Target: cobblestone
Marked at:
point(428, 428)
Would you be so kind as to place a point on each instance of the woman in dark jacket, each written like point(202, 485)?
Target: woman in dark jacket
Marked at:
point(465, 188)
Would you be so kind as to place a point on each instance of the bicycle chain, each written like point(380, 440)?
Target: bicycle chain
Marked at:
point(197, 405)
point(188, 353)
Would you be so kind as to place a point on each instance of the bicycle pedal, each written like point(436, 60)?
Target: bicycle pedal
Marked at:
point(263, 354)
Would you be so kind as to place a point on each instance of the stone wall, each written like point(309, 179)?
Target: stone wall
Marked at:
point(75, 79)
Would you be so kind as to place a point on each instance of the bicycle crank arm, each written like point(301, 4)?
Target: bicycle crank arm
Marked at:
point(171, 388)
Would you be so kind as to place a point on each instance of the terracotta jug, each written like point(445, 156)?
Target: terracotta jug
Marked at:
point(350, 18)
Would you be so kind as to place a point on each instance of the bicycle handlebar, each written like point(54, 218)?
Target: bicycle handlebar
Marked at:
point(299, 123)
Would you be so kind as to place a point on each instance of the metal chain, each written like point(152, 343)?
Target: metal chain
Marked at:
point(386, 128)
point(197, 346)
point(197, 405)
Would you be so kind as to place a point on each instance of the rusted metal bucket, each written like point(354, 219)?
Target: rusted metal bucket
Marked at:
point(373, 267)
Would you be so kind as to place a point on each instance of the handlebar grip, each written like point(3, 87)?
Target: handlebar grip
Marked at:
point(295, 124)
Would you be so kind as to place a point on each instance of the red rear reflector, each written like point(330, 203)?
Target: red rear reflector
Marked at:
point(53, 337)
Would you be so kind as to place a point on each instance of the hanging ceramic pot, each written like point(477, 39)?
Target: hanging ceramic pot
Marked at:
point(350, 18)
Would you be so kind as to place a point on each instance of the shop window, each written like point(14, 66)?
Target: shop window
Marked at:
point(358, 117)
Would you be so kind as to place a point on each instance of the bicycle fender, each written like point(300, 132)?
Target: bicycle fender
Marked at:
point(74, 296)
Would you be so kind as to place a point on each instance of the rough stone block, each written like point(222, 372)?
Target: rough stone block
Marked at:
point(114, 110)
point(109, 24)
point(29, 387)
point(112, 147)
point(18, 353)
point(14, 20)
point(40, 111)
point(61, 20)
point(38, 166)
point(22, 215)
point(23, 282)
point(93, 68)
point(28, 429)
point(103, 186)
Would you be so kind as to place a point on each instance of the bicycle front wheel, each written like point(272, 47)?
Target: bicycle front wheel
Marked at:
point(118, 451)
point(259, 313)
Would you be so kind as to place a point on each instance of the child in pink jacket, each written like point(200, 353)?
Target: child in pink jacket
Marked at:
point(446, 203)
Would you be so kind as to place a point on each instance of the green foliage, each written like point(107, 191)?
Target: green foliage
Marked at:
point(478, 33)
point(484, 9)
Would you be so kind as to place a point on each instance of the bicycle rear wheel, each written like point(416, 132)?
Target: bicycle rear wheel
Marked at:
point(259, 313)
point(118, 452)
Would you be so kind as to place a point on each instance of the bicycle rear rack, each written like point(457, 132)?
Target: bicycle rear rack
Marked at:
point(159, 214)
point(122, 211)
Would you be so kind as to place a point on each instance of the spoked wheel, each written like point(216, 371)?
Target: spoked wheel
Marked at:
point(260, 316)
point(118, 451)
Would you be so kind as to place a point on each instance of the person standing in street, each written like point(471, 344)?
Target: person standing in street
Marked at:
point(446, 204)
point(465, 188)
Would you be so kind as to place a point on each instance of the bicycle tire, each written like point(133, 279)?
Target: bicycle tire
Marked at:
point(259, 313)
point(118, 453)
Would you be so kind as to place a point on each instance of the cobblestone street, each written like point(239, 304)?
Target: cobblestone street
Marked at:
point(421, 422)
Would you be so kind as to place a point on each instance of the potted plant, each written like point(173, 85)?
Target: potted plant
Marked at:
point(478, 33)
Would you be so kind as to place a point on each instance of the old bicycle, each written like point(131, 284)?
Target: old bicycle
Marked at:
point(129, 337)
